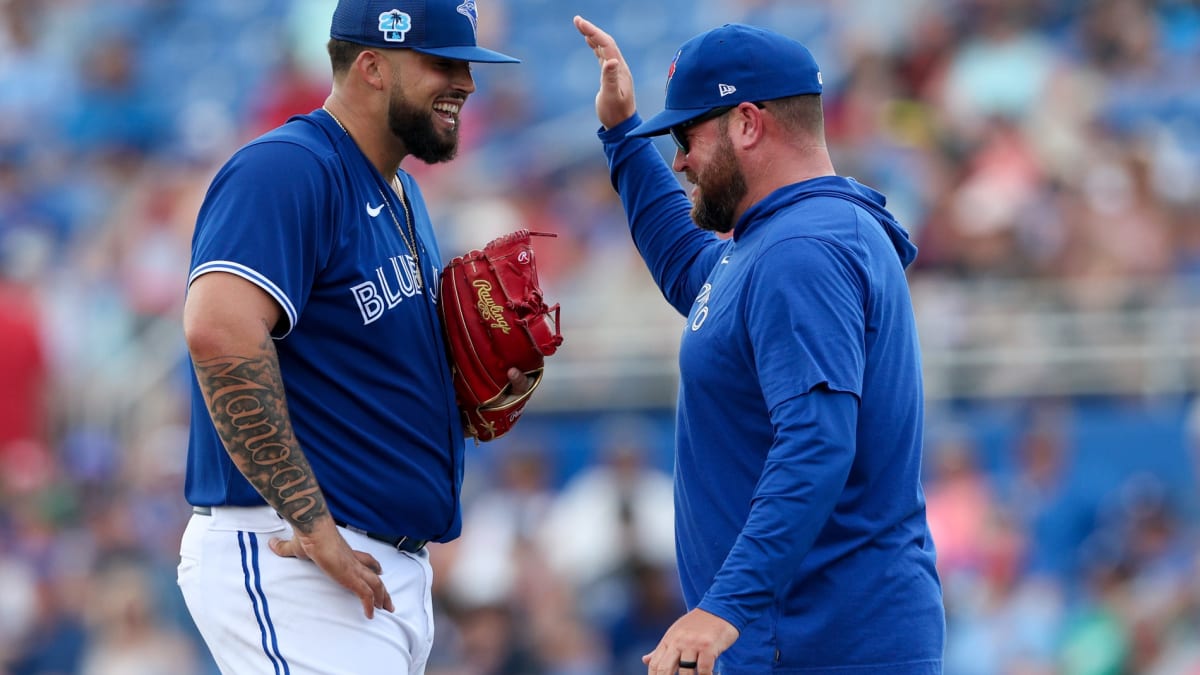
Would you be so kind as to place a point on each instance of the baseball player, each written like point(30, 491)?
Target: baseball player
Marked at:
point(800, 522)
point(326, 447)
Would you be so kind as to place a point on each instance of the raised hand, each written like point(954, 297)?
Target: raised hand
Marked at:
point(615, 101)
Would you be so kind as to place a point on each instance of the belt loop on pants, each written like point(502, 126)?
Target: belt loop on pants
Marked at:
point(400, 543)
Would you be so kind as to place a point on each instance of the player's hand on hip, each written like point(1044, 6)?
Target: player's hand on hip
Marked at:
point(691, 645)
point(615, 102)
point(357, 571)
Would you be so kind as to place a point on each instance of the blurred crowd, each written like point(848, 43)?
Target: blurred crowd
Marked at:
point(1033, 140)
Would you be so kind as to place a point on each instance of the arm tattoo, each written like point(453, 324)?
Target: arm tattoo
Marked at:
point(249, 410)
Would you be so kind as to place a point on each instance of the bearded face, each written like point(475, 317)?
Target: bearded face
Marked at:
point(722, 186)
point(417, 128)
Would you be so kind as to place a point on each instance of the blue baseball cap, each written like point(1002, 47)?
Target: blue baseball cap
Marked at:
point(729, 65)
point(439, 27)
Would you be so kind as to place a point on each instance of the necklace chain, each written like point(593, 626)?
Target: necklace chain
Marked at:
point(335, 119)
point(410, 239)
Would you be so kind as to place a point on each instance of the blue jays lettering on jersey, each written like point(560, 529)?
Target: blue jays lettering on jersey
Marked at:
point(799, 513)
point(303, 214)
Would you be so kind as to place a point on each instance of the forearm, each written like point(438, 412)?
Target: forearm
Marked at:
point(243, 389)
point(797, 492)
point(678, 255)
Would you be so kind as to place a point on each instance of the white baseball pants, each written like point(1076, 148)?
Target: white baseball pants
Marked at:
point(261, 614)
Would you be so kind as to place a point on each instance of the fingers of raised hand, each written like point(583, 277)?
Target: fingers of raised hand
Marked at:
point(601, 43)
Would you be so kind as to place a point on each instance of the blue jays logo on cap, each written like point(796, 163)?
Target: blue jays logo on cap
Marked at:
point(394, 24)
point(468, 10)
point(445, 28)
point(671, 70)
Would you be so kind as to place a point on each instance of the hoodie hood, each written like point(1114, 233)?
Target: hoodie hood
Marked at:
point(842, 188)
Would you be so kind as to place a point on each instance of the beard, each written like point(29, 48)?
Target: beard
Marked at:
point(722, 187)
point(414, 127)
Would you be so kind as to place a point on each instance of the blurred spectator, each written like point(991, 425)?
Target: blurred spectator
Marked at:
point(1037, 495)
point(961, 507)
point(1096, 639)
point(24, 364)
point(511, 613)
point(615, 513)
point(58, 637)
point(651, 603)
point(291, 90)
point(499, 529)
point(488, 640)
point(114, 114)
point(128, 637)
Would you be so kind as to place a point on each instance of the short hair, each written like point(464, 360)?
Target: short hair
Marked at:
point(800, 114)
point(342, 55)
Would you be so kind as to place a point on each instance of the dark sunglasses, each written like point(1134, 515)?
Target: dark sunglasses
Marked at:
point(679, 131)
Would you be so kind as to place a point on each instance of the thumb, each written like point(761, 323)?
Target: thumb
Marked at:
point(610, 71)
point(286, 548)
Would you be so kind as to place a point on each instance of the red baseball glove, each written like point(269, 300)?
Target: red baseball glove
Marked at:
point(495, 318)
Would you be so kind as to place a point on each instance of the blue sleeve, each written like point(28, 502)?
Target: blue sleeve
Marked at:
point(807, 332)
point(678, 254)
point(805, 470)
point(806, 317)
point(265, 218)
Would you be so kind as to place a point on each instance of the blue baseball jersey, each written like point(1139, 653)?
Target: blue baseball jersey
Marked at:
point(302, 213)
point(800, 516)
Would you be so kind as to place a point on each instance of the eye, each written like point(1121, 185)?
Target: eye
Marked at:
point(452, 67)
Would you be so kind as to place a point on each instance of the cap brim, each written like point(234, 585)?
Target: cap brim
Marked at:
point(467, 53)
point(663, 121)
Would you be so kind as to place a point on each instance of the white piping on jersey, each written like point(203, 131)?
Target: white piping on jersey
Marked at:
point(254, 277)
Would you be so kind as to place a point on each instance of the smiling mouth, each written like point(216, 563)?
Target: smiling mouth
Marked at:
point(448, 112)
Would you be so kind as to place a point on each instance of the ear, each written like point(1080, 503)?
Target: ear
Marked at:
point(748, 125)
point(373, 68)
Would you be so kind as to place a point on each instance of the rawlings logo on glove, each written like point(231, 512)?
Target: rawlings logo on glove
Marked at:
point(494, 319)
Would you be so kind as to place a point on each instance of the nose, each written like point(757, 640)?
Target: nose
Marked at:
point(462, 78)
point(679, 163)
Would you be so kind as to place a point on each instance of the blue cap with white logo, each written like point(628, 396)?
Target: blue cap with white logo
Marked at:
point(439, 27)
point(729, 65)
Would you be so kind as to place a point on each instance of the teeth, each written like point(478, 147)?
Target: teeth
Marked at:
point(449, 108)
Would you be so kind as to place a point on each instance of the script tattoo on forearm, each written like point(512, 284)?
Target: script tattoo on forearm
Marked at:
point(248, 407)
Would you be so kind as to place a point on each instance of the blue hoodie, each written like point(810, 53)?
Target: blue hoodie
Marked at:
point(800, 517)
